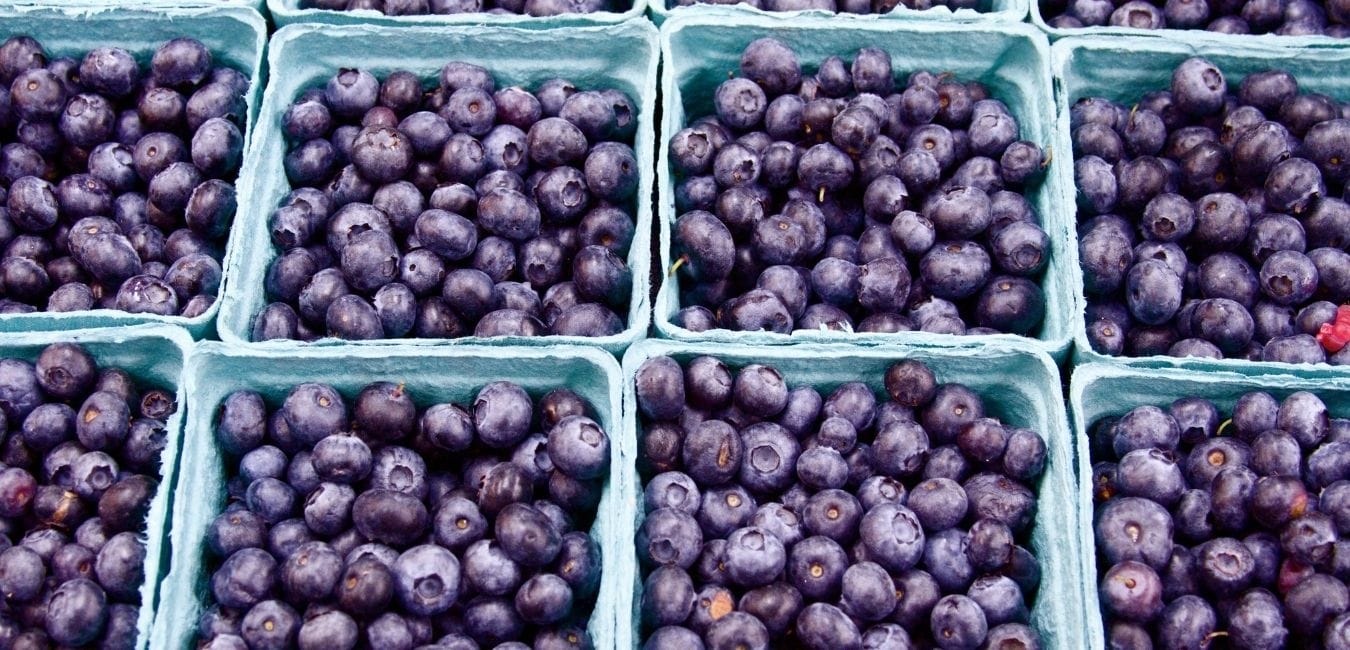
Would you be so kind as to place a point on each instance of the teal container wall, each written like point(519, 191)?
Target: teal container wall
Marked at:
point(1018, 386)
point(236, 36)
point(452, 374)
point(1013, 60)
point(289, 12)
point(1100, 390)
point(618, 56)
point(154, 355)
point(1123, 69)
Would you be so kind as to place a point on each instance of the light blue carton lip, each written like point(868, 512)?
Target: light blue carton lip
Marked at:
point(1228, 40)
point(622, 56)
point(1013, 60)
point(1123, 69)
point(432, 375)
point(153, 354)
point(1021, 386)
point(1007, 11)
point(236, 35)
point(288, 12)
point(1099, 390)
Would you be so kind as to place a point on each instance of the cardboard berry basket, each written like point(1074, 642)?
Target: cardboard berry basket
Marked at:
point(1123, 69)
point(1012, 60)
point(621, 56)
point(289, 12)
point(1100, 390)
point(155, 356)
point(1039, 19)
point(1006, 11)
point(164, 5)
point(431, 376)
point(1033, 400)
point(236, 36)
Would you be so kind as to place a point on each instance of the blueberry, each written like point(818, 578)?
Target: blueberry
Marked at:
point(672, 637)
point(314, 411)
point(959, 622)
point(736, 629)
point(1134, 529)
point(667, 596)
point(1314, 601)
point(821, 625)
point(579, 563)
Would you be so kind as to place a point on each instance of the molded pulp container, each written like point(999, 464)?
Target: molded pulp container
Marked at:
point(288, 12)
point(616, 56)
point(1099, 390)
point(1018, 386)
point(236, 36)
point(1012, 60)
point(1227, 40)
point(155, 356)
point(1123, 69)
point(1008, 11)
point(257, 5)
point(432, 376)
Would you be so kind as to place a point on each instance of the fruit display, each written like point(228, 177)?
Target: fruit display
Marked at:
point(1283, 17)
point(377, 520)
point(117, 177)
point(1212, 217)
point(1219, 525)
point(787, 516)
point(81, 464)
point(460, 210)
point(846, 200)
point(450, 7)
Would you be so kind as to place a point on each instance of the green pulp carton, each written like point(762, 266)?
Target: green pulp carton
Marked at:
point(1099, 390)
point(163, 5)
point(620, 56)
point(1012, 60)
point(155, 356)
point(1019, 386)
point(235, 35)
point(432, 375)
point(1040, 20)
point(1008, 11)
point(1123, 69)
point(289, 12)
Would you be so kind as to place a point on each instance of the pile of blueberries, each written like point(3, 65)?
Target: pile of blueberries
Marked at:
point(447, 7)
point(839, 201)
point(1233, 529)
point(80, 467)
point(1283, 17)
point(463, 210)
point(387, 525)
point(1214, 224)
point(116, 183)
point(843, 6)
point(778, 517)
